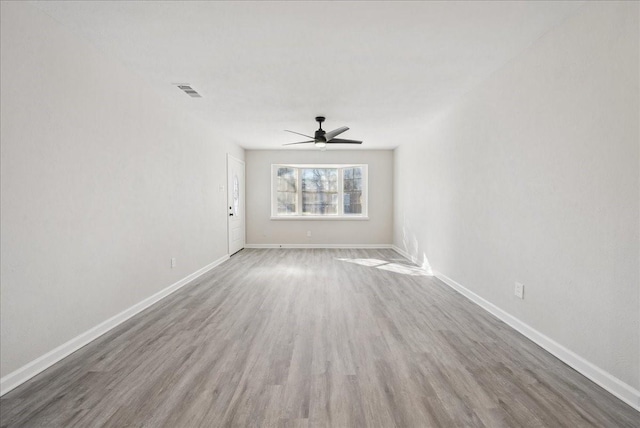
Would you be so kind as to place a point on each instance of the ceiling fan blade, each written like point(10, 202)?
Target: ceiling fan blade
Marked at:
point(294, 132)
point(343, 141)
point(301, 142)
point(329, 135)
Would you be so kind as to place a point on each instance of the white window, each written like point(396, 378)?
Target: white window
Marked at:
point(319, 192)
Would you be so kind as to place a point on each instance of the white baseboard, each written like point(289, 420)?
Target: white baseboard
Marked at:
point(372, 246)
point(403, 253)
point(623, 391)
point(26, 372)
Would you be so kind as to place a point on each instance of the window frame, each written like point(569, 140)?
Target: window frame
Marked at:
point(340, 215)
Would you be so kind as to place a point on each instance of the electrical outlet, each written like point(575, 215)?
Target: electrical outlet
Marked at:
point(173, 262)
point(519, 290)
point(308, 234)
point(221, 188)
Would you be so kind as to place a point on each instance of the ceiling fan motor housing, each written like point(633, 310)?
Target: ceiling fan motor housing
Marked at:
point(319, 135)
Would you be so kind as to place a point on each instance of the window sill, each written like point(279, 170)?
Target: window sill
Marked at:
point(320, 217)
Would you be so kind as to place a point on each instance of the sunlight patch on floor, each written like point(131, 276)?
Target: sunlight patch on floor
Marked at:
point(401, 268)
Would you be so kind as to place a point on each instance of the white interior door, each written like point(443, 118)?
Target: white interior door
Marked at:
point(235, 204)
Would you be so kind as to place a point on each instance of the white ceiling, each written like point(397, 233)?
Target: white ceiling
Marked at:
point(384, 69)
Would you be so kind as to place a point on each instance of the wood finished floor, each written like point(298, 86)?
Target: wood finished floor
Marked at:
point(297, 338)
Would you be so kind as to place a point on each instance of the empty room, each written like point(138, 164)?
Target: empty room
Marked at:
point(320, 214)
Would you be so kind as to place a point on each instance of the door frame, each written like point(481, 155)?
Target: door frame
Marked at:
point(242, 203)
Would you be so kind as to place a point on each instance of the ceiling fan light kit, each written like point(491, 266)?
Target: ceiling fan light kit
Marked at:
point(321, 138)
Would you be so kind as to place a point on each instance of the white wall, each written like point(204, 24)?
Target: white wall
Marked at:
point(261, 230)
point(102, 183)
point(534, 177)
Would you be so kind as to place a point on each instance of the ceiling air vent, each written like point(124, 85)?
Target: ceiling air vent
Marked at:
point(189, 91)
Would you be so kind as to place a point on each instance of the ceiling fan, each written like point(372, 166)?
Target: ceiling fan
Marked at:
point(322, 138)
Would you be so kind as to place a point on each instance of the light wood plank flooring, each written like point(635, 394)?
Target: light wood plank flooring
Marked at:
point(298, 338)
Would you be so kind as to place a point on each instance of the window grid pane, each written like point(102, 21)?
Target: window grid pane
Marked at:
point(287, 191)
point(352, 187)
point(320, 191)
